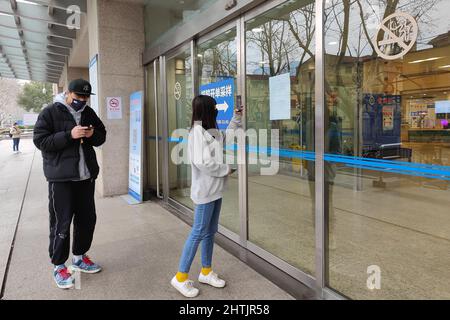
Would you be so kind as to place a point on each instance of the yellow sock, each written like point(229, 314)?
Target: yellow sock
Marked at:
point(181, 276)
point(206, 271)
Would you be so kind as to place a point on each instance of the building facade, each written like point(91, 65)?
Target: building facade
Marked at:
point(343, 177)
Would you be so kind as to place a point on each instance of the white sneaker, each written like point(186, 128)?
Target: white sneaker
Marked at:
point(186, 288)
point(212, 279)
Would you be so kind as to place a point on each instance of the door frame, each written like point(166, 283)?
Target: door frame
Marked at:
point(151, 70)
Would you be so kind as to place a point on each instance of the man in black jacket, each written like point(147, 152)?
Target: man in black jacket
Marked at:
point(66, 133)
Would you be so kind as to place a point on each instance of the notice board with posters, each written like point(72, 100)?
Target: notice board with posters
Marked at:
point(223, 93)
point(135, 185)
point(381, 116)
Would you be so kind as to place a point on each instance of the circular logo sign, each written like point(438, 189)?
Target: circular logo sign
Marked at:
point(114, 103)
point(400, 33)
point(177, 91)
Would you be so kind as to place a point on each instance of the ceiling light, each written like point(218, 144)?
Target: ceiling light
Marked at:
point(257, 30)
point(443, 67)
point(332, 43)
point(426, 60)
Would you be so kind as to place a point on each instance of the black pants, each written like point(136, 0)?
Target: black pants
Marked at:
point(16, 144)
point(67, 200)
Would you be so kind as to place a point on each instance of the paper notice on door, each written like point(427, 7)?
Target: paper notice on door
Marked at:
point(280, 97)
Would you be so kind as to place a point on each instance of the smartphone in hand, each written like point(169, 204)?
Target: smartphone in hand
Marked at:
point(239, 106)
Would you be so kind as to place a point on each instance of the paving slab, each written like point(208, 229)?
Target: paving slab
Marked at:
point(138, 247)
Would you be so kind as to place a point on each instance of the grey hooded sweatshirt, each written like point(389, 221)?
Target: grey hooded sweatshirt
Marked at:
point(82, 167)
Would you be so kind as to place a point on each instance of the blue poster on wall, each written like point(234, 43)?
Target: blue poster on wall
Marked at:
point(223, 92)
point(381, 119)
point(135, 156)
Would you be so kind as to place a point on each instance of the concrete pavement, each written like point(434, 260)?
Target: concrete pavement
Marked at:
point(14, 173)
point(138, 246)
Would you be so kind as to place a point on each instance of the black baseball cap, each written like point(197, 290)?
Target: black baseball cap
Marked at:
point(81, 87)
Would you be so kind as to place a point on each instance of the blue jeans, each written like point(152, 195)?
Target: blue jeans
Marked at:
point(206, 223)
point(16, 144)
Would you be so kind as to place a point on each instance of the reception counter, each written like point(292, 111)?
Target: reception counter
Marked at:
point(429, 135)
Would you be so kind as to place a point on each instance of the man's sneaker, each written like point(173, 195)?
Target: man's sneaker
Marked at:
point(212, 279)
point(186, 288)
point(63, 278)
point(85, 265)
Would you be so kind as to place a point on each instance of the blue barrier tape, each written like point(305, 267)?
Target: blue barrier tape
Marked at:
point(394, 166)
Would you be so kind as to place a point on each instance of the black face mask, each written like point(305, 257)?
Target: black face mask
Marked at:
point(77, 104)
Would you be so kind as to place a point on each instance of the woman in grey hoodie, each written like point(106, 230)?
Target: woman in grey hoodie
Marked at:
point(209, 172)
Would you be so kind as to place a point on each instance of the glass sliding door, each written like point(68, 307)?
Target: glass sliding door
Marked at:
point(179, 111)
point(387, 92)
point(217, 69)
point(280, 46)
point(154, 152)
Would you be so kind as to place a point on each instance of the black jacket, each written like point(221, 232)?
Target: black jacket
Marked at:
point(61, 153)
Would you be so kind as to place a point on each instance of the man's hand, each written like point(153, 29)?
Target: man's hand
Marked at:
point(231, 171)
point(89, 132)
point(79, 132)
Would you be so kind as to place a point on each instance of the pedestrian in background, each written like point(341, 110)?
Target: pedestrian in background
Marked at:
point(66, 133)
point(15, 133)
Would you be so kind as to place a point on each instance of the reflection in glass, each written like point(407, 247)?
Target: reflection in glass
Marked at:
point(179, 98)
point(391, 170)
point(280, 48)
